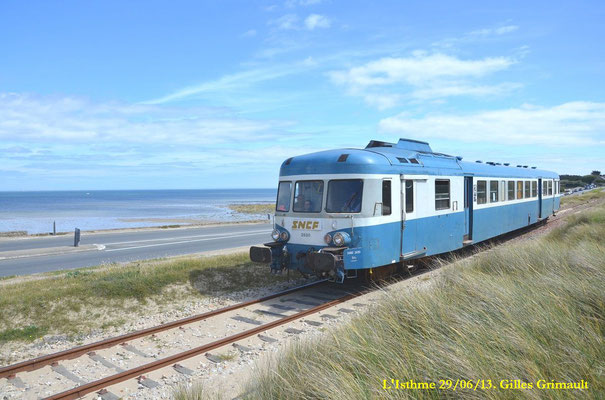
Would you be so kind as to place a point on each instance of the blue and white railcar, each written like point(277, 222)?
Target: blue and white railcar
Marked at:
point(343, 211)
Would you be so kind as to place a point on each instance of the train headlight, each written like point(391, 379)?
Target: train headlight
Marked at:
point(284, 236)
point(275, 235)
point(341, 239)
point(328, 238)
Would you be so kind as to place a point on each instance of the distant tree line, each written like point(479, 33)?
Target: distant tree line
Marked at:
point(572, 181)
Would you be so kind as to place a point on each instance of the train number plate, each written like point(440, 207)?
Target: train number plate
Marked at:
point(353, 258)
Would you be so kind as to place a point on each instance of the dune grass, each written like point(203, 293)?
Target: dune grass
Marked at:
point(75, 302)
point(527, 311)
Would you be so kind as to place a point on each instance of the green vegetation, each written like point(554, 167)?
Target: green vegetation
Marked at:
point(529, 311)
point(577, 199)
point(78, 301)
point(231, 355)
point(266, 208)
point(196, 392)
point(572, 181)
point(28, 334)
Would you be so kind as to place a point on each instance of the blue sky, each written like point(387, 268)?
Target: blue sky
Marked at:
point(216, 94)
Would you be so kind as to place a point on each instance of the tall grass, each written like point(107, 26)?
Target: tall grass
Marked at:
point(527, 311)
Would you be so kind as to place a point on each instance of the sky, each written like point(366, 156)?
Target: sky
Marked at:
point(216, 94)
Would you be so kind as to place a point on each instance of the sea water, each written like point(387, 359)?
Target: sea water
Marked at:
point(35, 212)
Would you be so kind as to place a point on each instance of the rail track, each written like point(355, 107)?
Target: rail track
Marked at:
point(11, 372)
point(39, 362)
point(172, 360)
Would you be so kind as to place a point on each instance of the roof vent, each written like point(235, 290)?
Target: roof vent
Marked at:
point(414, 145)
point(458, 158)
point(519, 166)
point(479, 161)
point(402, 160)
point(507, 164)
point(414, 161)
point(490, 163)
point(533, 167)
point(288, 161)
point(343, 157)
point(378, 143)
point(525, 166)
point(498, 163)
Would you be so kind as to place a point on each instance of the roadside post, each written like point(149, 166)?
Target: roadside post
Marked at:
point(76, 237)
point(54, 228)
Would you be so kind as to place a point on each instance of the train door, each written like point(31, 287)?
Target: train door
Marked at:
point(552, 190)
point(468, 209)
point(540, 198)
point(408, 213)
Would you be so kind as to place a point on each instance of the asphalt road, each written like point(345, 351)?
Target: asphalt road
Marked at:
point(123, 246)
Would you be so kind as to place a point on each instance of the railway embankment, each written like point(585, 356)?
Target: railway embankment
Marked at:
point(54, 311)
point(522, 320)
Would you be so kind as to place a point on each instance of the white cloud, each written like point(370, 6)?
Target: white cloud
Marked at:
point(236, 82)
point(422, 76)
point(502, 30)
point(25, 118)
point(418, 69)
point(228, 82)
point(314, 21)
point(249, 33)
point(454, 89)
point(568, 124)
point(285, 22)
point(382, 101)
point(304, 3)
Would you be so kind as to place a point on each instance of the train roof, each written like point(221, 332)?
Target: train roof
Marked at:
point(404, 157)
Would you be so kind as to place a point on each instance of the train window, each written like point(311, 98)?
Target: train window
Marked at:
point(534, 189)
point(409, 196)
point(558, 187)
point(344, 196)
point(308, 196)
point(502, 191)
point(493, 191)
point(519, 189)
point(481, 192)
point(442, 194)
point(511, 190)
point(284, 195)
point(527, 189)
point(550, 188)
point(386, 197)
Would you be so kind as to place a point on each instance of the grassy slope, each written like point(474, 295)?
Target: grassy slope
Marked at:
point(528, 311)
point(80, 300)
point(582, 198)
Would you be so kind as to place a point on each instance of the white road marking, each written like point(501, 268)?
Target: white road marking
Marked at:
point(188, 237)
point(184, 241)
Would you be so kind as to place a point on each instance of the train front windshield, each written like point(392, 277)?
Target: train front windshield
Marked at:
point(344, 196)
point(284, 194)
point(308, 196)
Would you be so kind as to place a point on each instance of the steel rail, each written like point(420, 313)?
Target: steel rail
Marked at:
point(85, 389)
point(39, 362)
